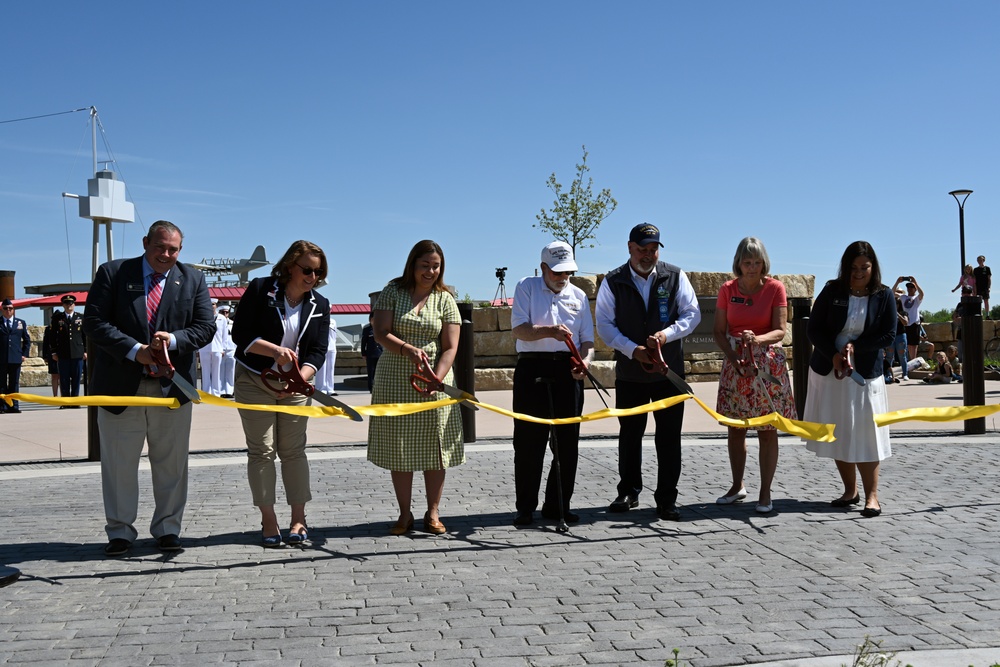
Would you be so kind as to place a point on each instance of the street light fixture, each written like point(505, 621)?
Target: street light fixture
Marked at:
point(964, 194)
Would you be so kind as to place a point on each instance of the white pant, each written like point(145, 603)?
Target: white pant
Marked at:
point(228, 372)
point(324, 378)
point(211, 371)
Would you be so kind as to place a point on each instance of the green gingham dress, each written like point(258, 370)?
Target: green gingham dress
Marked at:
point(429, 440)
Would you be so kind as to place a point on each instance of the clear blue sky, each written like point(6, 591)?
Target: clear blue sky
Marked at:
point(368, 126)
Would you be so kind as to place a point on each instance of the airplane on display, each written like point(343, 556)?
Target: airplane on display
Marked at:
point(214, 267)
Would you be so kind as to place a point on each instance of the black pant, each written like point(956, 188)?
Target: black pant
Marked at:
point(371, 363)
point(530, 439)
point(70, 371)
point(10, 379)
point(667, 439)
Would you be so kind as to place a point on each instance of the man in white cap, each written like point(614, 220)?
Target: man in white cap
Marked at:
point(548, 310)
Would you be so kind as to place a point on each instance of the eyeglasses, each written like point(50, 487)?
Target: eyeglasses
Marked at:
point(308, 270)
point(562, 273)
point(8, 307)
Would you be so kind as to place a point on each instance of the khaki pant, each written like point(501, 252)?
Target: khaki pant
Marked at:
point(271, 434)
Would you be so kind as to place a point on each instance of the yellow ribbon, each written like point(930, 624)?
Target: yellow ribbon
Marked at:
point(809, 430)
point(936, 414)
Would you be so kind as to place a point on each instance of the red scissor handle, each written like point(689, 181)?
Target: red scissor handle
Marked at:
point(848, 367)
point(430, 384)
point(746, 360)
point(576, 359)
point(161, 366)
point(658, 365)
point(291, 381)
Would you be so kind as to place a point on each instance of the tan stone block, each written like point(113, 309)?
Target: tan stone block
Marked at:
point(939, 332)
point(503, 319)
point(706, 283)
point(501, 361)
point(703, 367)
point(484, 319)
point(494, 379)
point(494, 343)
point(587, 283)
point(797, 285)
point(604, 371)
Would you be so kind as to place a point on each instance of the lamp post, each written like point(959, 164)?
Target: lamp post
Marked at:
point(964, 194)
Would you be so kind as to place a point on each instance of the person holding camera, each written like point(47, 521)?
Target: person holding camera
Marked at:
point(911, 304)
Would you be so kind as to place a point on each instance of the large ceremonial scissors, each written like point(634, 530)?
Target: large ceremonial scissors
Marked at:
point(292, 382)
point(162, 368)
point(658, 365)
point(849, 371)
point(428, 383)
point(576, 362)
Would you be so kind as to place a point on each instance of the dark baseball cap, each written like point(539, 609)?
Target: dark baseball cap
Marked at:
point(68, 298)
point(645, 233)
point(7, 302)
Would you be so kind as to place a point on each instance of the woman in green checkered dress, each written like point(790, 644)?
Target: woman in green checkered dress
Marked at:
point(416, 319)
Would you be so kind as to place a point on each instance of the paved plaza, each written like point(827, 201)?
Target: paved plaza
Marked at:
point(803, 585)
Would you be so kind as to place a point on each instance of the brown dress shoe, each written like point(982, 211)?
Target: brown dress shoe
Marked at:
point(433, 525)
point(402, 526)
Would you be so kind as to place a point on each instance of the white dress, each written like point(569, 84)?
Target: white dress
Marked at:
point(848, 405)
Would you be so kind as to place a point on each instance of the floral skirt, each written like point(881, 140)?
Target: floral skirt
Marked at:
point(744, 398)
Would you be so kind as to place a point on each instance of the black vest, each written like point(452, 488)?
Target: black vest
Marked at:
point(638, 320)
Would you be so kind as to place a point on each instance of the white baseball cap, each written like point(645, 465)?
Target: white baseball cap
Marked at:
point(558, 256)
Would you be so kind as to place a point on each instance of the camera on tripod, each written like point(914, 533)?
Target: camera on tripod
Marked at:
point(500, 298)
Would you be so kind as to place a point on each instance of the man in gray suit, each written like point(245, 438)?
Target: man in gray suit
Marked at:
point(135, 304)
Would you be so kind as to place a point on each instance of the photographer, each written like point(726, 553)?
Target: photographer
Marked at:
point(911, 304)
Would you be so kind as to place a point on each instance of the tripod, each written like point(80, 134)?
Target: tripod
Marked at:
point(501, 292)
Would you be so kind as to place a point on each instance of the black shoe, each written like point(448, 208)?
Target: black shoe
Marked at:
point(13, 411)
point(623, 504)
point(168, 543)
point(226, 396)
point(871, 512)
point(668, 512)
point(553, 515)
point(524, 519)
point(841, 502)
point(117, 547)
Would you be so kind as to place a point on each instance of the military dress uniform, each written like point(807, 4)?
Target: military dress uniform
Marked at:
point(15, 345)
point(70, 346)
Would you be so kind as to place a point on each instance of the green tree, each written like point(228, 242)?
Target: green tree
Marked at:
point(576, 215)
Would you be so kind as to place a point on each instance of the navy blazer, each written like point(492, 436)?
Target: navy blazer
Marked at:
point(260, 313)
point(829, 315)
point(16, 342)
point(115, 320)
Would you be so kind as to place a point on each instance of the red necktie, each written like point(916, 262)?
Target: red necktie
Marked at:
point(153, 301)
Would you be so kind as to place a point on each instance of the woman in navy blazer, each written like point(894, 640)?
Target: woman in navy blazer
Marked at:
point(281, 320)
point(852, 322)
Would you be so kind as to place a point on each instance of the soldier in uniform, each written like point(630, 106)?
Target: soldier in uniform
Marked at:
point(16, 346)
point(70, 349)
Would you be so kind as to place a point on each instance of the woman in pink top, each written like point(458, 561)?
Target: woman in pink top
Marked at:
point(752, 314)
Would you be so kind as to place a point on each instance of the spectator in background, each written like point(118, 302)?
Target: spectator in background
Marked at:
point(325, 378)
point(942, 370)
point(228, 372)
point(968, 279)
point(898, 349)
point(911, 303)
point(984, 280)
point(69, 348)
point(16, 347)
point(53, 365)
point(956, 366)
point(956, 320)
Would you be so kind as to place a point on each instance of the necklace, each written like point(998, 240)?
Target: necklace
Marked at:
point(859, 292)
point(294, 302)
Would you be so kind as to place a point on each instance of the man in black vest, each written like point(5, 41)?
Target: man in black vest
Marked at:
point(70, 348)
point(643, 304)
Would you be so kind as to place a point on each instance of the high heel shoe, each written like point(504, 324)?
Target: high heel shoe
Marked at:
point(296, 538)
point(433, 526)
point(402, 527)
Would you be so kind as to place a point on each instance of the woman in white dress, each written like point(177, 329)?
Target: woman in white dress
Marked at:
point(853, 320)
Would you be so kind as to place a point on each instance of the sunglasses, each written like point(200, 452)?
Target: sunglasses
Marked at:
point(562, 273)
point(308, 270)
point(8, 307)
